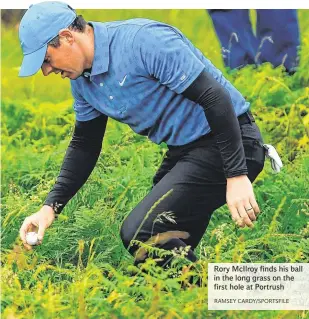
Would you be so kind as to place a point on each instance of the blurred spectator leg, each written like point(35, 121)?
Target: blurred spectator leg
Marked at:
point(234, 30)
point(277, 32)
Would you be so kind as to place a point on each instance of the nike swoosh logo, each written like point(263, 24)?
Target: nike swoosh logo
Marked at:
point(122, 82)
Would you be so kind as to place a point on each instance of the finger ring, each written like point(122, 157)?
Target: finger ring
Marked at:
point(247, 209)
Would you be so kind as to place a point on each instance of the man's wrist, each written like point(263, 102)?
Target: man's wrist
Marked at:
point(55, 205)
point(49, 210)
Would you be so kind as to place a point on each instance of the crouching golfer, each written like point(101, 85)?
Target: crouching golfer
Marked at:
point(148, 75)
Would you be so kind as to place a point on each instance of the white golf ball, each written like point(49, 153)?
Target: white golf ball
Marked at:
point(32, 238)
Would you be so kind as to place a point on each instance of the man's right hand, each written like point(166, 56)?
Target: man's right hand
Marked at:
point(39, 222)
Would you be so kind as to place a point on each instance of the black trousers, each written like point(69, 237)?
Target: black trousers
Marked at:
point(188, 187)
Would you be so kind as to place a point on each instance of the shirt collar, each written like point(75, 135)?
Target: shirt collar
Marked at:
point(101, 49)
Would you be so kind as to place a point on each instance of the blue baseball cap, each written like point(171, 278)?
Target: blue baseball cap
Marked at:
point(40, 24)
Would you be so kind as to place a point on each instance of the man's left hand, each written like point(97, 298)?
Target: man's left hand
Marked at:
point(241, 200)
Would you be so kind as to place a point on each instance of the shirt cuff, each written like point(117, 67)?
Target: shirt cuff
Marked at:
point(236, 173)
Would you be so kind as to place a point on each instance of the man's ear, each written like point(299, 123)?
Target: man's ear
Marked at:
point(66, 35)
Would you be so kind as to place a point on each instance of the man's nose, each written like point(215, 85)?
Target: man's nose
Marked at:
point(46, 69)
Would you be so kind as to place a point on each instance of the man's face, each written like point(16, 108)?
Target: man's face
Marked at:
point(66, 59)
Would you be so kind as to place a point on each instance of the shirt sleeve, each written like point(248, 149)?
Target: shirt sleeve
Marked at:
point(220, 114)
point(79, 161)
point(163, 53)
point(83, 110)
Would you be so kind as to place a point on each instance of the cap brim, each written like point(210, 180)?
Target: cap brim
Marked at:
point(32, 62)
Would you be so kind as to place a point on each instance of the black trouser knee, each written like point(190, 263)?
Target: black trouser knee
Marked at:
point(190, 186)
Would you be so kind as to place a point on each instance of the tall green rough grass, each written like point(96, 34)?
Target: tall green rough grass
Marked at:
point(82, 270)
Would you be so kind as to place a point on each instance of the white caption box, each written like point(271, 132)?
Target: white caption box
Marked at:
point(273, 286)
